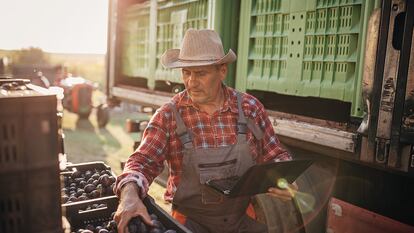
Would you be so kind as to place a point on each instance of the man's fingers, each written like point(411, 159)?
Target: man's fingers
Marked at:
point(282, 197)
point(294, 186)
point(122, 226)
point(281, 192)
point(146, 218)
point(285, 194)
point(117, 217)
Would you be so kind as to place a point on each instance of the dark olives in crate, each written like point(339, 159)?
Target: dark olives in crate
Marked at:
point(136, 225)
point(103, 227)
point(88, 184)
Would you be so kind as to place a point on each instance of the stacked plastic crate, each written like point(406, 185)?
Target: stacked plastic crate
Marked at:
point(29, 170)
point(135, 46)
point(304, 48)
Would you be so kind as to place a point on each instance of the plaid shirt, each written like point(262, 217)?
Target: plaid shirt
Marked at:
point(160, 142)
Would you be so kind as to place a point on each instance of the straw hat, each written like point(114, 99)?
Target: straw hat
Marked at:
point(198, 48)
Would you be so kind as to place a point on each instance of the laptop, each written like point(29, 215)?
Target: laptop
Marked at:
point(260, 177)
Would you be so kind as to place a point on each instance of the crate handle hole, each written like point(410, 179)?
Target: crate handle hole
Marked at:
point(11, 225)
point(92, 210)
point(13, 131)
point(5, 135)
point(6, 154)
point(14, 153)
point(10, 206)
point(17, 205)
point(2, 206)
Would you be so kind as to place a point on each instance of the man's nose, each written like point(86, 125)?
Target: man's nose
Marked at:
point(192, 80)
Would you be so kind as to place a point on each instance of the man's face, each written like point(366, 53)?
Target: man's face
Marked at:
point(203, 83)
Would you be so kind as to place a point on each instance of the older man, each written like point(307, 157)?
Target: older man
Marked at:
point(208, 130)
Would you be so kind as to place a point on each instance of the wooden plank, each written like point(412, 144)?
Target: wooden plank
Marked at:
point(146, 98)
point(334, 138)
point(313, 121)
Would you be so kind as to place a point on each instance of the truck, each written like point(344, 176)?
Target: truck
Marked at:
point(336, 78)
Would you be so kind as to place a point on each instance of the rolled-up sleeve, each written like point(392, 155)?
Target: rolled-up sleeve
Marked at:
point(147, 162)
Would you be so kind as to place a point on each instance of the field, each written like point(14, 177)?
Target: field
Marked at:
point(89, 66)
point(86, 142)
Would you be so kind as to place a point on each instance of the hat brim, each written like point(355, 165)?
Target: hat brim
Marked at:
point(170, 60)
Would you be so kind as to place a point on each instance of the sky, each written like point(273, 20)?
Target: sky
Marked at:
point(59, 26)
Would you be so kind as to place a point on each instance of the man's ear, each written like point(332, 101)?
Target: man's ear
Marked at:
point(223, 71)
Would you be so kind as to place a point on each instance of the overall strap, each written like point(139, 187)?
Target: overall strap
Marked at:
point(243, 123)
point(183, 133)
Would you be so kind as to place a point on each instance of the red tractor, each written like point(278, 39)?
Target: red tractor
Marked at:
point(78, 99)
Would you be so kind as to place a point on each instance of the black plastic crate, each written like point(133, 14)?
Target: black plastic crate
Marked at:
point(106, 190)
point(28, 131)
point(29, 169)
point(30, 201)
point(166, 219)
point(78, 217)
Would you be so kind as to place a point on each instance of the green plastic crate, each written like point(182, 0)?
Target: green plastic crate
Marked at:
point(165, 22)
point(175, 17)
point(135, 38)
point(304, 48)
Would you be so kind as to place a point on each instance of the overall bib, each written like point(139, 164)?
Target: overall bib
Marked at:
point(208, 211)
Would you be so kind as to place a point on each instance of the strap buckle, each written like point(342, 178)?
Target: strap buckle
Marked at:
point(241, 128)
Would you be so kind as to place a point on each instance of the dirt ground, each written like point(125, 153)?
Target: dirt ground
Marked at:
point(86, 142)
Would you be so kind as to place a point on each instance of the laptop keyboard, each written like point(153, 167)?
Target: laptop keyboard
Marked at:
point(227, 183)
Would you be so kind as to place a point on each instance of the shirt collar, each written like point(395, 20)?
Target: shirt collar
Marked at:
point(230, 101)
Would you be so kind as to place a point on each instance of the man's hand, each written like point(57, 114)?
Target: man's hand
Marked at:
point(130, 206)
point(284, 194)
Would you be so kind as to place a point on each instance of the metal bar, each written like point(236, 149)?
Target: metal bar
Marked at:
point(386, 107)
point(242, 61)
point(368, 79)
point(379, 72)
point(108, 47)
point(395, 152)
point(358, 108)
point(116, 55)
point(152, 46)
point(379, 67)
